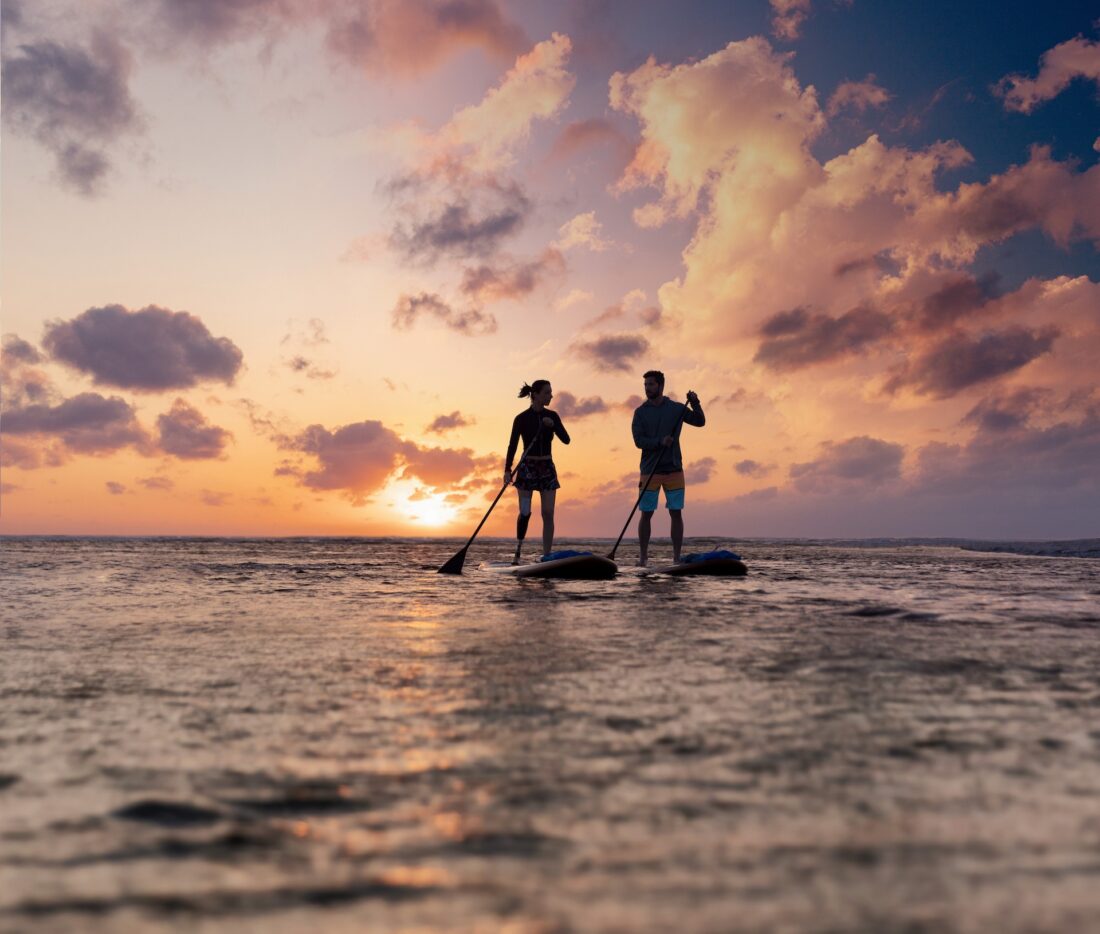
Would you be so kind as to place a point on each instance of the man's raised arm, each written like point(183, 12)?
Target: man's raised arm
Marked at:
point(694, 412)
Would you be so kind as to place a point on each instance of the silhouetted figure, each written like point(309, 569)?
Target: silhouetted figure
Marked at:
point(537, 426)
point(656, 429)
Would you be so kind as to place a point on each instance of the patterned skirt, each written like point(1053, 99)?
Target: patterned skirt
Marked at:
point(537, 475)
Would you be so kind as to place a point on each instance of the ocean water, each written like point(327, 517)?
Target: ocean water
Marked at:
point(325, 735)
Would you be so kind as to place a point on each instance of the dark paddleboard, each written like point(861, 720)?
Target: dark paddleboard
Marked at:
point(575, 567)
point(713, 567)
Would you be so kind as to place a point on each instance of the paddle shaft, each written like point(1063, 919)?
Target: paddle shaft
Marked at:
point(454, 565)
point(645, 486)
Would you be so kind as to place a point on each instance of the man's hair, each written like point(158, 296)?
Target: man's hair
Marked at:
point(657, 375)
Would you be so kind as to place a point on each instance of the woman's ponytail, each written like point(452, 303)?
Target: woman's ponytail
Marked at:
point(536, 386)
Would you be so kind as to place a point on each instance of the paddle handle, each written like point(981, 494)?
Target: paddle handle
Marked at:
point(645, 486)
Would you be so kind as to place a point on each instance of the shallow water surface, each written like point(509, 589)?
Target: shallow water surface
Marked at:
point(327, 735)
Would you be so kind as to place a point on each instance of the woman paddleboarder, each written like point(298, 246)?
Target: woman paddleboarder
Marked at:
point(537, 426)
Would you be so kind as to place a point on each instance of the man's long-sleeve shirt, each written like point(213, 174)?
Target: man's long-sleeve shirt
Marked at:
point(654, 422)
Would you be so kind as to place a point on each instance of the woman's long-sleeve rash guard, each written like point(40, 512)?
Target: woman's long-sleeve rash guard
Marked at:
point(527, 425)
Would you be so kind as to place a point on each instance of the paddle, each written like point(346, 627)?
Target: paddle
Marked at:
point(454, 565)
point(645, 486)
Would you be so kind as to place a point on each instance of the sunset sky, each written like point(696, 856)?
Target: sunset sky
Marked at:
point(279, 267)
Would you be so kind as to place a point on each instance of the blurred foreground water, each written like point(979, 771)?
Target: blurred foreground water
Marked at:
point(325, 735)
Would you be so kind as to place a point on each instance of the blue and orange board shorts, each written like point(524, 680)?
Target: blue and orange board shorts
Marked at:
point(673, 485)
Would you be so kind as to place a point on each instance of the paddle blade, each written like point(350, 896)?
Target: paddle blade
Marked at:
point(454, 565)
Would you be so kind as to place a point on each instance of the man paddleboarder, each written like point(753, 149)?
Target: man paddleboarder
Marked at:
point(656, 429)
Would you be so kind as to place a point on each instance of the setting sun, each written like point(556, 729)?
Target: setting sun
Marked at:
point(431, 510)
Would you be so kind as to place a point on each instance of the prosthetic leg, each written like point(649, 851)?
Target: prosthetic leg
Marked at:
point(522, 521)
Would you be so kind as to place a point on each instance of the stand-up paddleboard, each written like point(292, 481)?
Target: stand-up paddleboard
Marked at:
point(720, 563)
point(568, 565)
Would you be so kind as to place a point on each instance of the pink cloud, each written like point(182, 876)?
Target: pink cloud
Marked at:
point(409, 37)
point(858, 96)
point(358, 459)
point(511, 280)
point(410, 308)
point(1077, 58)
point(788, 17)
point(846, 266)
point(184, 432)
point(87, 423)
point(485, 136)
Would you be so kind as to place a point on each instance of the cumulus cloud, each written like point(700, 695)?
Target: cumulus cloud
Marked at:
point(1007, 411)
point(451, 214)
point(510, 280)
point(697, 119)
point(856, 463)
point(788, 17)
point(410, 37)
point(797, 338)
point(184, 432)
point(28, 455)
point(410, 308)
point(612, 353)
point(701, 470)
point(881, 246)
point(74, 101)
point(87, 423)
point(150, 350)
point(440, 467)
point(582, 231)
point(359, 458)
point(1077, 58)
point(1041, 193)
point(959, 297)
point(959, 361)
point(17, 350)
point(21, 381)
point(753, 469)
point(484, 136)
point(568, 405)
point(442, 423)
point(355, 458)
point(858, 96)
